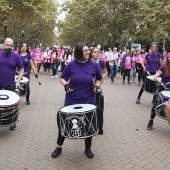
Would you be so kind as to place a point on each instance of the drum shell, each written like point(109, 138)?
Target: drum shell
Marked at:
point(9, 108)
point(150, 86)
point(23, 89)
point(160, 108)
point(87, 124)
point(9, 116)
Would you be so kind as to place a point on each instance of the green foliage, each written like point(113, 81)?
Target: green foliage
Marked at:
point(37, 18)
point(93, 20)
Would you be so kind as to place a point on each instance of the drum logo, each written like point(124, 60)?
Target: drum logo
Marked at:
point(77, 124)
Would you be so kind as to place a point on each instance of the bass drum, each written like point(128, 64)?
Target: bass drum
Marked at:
point(9, 107)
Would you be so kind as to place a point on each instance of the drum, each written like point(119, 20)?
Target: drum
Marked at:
point(23, 85)
point(78, 121)
point(9, 107)
point(150, 85)
point(100, 98)
point(163, 99)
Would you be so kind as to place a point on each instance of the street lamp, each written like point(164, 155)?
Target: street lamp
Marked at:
point(165, 36)
point(137, 31)
point(22, 35)
point(5, 28)
point(110, 36)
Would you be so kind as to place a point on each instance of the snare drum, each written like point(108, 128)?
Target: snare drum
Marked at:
point(160, 109)
point(78, 121)
point(23, 85)
point(9, 107)
point(150, 85)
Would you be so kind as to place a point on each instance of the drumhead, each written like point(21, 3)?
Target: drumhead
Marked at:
point(166, 93)
point(8, 98)
point(23, 80)
point(78, 108)
point(152, 78)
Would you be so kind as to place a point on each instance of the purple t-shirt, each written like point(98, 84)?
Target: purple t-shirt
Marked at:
point(152, 64)
point(26, 62)
point(165, 79)
point(101, 64)
point(80, 78)
point(8, 65)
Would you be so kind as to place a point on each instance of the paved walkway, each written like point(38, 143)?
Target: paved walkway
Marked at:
point(126, 144)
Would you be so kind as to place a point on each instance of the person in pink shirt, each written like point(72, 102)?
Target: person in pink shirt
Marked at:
point(133, 69)
point(37, 58)
point(127, 65)
point(54, 62)
point(46, 60)
point(139, 60)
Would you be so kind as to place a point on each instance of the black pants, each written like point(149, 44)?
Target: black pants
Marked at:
point(142, 88)
point(27, 75)
point(60, 140)
point(140, 75)
point(126, 73)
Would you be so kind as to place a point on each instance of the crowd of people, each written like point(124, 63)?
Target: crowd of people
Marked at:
point(91, 63)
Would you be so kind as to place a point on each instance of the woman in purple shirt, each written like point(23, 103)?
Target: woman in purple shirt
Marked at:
point(27, 62)
point(79, 74)
point(150, 65)
point(164, 72)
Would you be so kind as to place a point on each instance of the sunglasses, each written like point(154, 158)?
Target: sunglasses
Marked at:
point(86, 50)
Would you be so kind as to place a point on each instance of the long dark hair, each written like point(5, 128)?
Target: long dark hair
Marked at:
point(68, 52)
point(78, 53)
point(27, 51)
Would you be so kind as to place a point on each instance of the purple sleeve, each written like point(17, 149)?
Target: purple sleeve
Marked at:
point(30, 57)
point(102, 64)
point(19, 62)
point(147, 55)
point(66, 72)
point(161, 68)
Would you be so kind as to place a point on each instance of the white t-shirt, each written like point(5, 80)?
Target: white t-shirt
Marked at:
point(112, 57)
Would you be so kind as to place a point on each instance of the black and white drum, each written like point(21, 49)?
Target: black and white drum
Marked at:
point(160, 109)
point(78, 121)
point(23, 85)
point(9, 107)
point(150, 85)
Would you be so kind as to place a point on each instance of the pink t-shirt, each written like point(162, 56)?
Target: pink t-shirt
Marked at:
point(140, 59)
point(128, 62)
point(37, 56)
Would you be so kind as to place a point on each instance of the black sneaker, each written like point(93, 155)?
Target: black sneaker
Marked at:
point(150, 124)
point(138, 101)
point(56, 152)
point(89, 153)
point(123, 82)
point(13, 127)
point(28, 102)
point(129, 84)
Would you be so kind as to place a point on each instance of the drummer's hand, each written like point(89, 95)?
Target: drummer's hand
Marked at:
point(67, 87)
point(17, 85)
point(95, 88)
point(161, 86)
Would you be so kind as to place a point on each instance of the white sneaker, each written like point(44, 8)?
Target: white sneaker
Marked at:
point(56, 76)
point(52, 77)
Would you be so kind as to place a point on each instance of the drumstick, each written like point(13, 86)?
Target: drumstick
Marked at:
point(38, 81)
